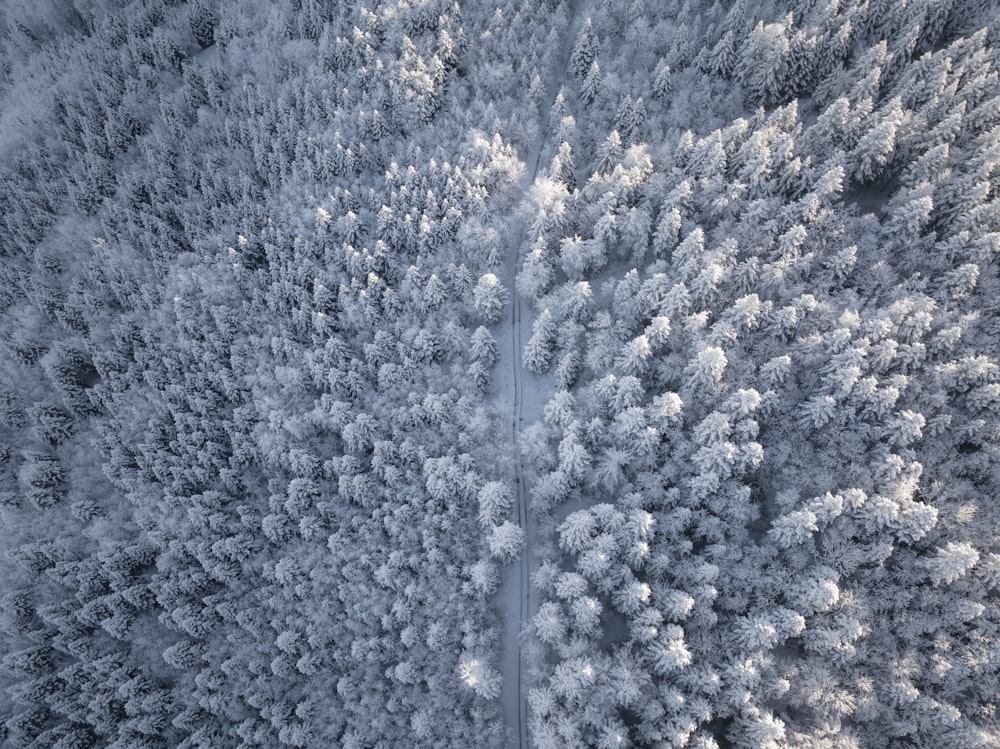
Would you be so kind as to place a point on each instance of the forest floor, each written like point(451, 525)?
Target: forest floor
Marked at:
point(527, 393)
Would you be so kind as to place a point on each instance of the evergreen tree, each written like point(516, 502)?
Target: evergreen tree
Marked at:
point(584, 50)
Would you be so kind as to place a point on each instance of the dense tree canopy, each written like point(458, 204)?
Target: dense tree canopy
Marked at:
point(264, 268)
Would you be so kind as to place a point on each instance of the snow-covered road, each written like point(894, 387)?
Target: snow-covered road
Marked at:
point(519, 388)
point(527, 394)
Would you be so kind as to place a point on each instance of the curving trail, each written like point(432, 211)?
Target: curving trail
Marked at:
point(525, 391)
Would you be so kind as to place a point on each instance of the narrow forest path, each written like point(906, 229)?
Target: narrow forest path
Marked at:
point(526, 392)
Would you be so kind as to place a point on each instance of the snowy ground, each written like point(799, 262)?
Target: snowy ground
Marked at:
point(527, 394)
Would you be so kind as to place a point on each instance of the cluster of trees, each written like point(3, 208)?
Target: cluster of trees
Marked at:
point(252, 260)
point(766, 470)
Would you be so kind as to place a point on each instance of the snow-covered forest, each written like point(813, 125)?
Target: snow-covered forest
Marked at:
point(427, 373)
